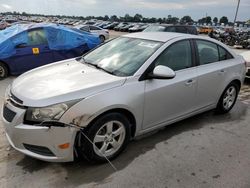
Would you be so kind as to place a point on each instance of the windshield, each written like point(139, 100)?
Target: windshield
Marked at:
point(122, 56)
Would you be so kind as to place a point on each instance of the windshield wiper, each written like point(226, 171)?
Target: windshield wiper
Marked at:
point(97, 66)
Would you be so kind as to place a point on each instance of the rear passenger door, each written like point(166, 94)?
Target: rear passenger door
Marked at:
point(212, 72)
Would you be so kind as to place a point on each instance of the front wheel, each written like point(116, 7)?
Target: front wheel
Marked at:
point(3, 71)
point(107, 138)
point(228, 98)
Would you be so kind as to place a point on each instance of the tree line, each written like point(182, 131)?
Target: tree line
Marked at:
point(136, 18)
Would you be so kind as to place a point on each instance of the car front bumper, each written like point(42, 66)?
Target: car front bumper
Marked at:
point(38, 141)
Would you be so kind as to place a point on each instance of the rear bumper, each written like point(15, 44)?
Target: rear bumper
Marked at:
point(20, 135)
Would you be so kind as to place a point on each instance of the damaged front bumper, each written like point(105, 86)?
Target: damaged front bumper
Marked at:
point(41, 142)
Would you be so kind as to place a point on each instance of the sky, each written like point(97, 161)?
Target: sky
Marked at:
point(148, 8)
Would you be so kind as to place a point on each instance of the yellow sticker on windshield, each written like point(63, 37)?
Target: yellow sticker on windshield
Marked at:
point(35, 50)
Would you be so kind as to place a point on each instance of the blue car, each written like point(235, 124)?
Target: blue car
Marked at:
point(27, 46)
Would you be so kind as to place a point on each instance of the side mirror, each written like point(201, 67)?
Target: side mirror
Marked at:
point(162, 72)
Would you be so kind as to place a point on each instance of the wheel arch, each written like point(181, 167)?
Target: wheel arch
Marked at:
point(237, 81)
point(7, 66)
point(123, 111)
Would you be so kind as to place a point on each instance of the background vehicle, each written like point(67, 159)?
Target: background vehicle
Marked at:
point(102, 33)
point(111, 26)
point(175, 76)
point(246, 56)
point(205, 29)
point(120, 25)
point(3, 25)
point(138, 28)
point(27, 46)
point(172, 28)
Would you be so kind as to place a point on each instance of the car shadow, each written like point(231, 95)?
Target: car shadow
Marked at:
point(83, 172)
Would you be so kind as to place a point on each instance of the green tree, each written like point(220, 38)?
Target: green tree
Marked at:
point(114, 18)
point(224, 20)
point(208, 19)
point(138, 18)
point(186, 19)
point(215, 20)
point(106, 18)
point(128, 18)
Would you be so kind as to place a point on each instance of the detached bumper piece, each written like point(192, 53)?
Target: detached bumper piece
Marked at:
point(39, 150)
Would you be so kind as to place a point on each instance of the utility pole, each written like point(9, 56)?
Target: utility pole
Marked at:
point(236, 12)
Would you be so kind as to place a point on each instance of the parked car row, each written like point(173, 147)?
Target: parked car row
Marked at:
point(103, 34)
point(233, 38)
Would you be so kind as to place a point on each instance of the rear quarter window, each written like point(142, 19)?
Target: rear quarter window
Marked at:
point(224, 54)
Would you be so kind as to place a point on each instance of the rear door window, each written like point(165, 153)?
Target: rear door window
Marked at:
point(224, 54)
point(37, 37)
point(94, 28)
point(208, 52)
point(85, 28)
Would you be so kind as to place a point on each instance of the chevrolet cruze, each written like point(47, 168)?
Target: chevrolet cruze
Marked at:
point(93, 105)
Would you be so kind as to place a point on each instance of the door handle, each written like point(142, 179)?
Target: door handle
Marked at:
point(222, 72)
point(189, 82)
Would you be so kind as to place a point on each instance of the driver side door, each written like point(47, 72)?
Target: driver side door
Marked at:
point(170, 99)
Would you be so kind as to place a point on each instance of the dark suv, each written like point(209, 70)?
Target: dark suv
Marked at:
point(189, 29)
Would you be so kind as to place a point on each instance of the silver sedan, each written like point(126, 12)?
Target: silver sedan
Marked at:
point(93, 105)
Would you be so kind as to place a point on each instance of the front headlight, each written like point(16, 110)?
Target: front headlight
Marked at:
point(49, 113)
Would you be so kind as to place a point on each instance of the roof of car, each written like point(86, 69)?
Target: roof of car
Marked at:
point(156, 36)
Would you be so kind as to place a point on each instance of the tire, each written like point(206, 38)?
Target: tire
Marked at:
point(91, 152)
point(102, 38)
point(228, 98)
point(3, 71)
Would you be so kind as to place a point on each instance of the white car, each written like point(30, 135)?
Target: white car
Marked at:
point(246, 56)
point(102, 33)
point(93, 105)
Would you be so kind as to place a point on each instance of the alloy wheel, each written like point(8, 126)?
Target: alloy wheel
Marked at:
point(109, 138)
point(229, 97)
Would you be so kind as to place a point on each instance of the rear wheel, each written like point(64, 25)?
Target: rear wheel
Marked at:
point(109, 136)
point(228, 98)
point(102, 38)
point(3, 71)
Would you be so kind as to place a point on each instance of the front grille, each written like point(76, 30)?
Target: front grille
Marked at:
point(41, 150)
point(8, 114)
point(15, 98)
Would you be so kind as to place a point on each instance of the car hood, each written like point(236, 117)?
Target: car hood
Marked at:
point(60, 82)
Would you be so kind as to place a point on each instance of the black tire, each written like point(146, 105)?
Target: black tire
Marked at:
point(221, 109)
point(102, 38)
point(86, 149)
point(3, 71)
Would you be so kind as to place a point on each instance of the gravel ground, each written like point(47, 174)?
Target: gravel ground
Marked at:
point(203, 151)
